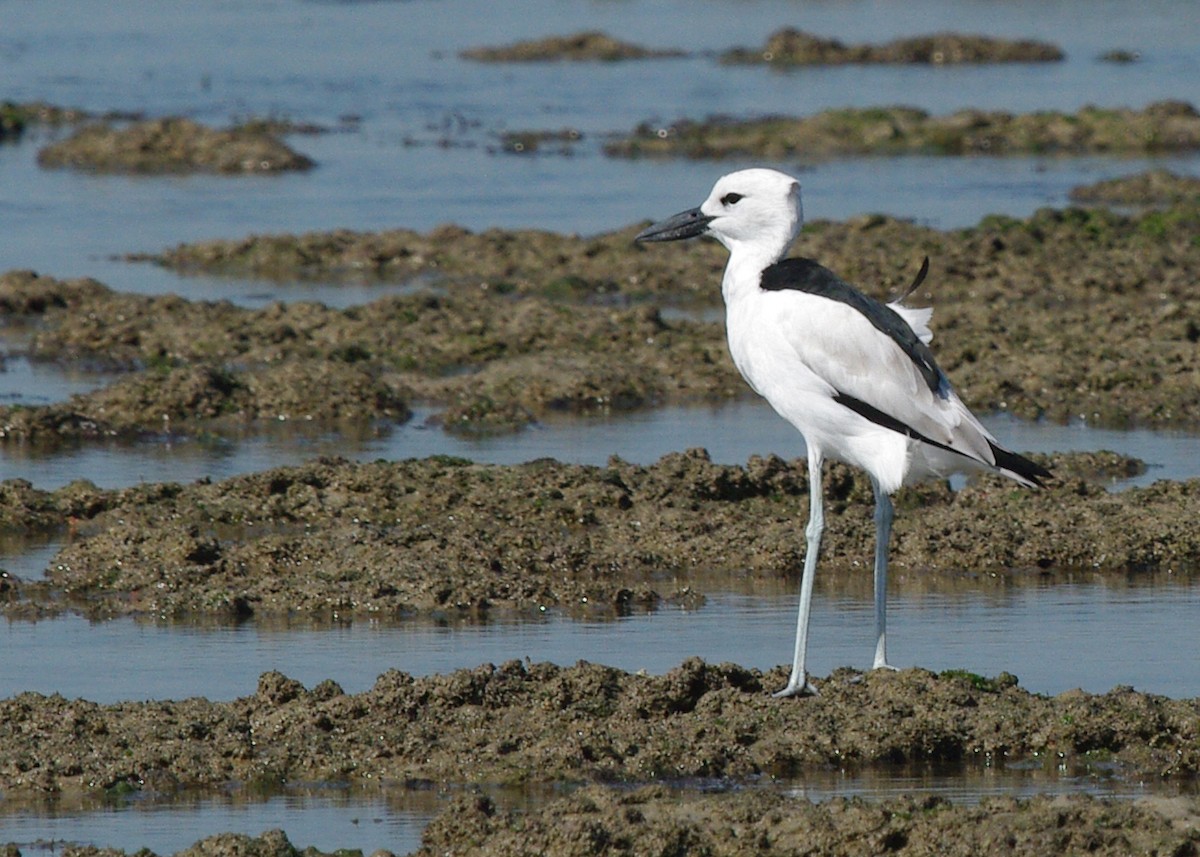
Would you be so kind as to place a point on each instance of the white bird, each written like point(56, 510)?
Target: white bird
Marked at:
point(854, 375)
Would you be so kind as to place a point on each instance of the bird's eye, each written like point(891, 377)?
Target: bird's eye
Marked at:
point(730, 198)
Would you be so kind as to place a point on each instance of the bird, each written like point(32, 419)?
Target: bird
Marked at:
point(853, 374)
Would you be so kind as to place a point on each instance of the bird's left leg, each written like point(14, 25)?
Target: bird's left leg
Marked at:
point(883, 536)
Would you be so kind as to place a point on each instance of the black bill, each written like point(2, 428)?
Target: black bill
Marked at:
point(685, 224)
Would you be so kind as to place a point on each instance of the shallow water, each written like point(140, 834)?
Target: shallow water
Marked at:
point(333, 818)
point(329, 820)
point(731, 433)
point(420, 152)
point(25, 382)
point(1045, 634)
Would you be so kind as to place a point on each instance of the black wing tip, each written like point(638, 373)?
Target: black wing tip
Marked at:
point(1021, 466)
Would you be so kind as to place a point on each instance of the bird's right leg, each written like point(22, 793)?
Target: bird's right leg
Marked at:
point(883, 535)
point(798, 683)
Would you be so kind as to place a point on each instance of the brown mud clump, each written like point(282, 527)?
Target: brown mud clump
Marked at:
point(579, 47)
point(791, 47)
point(1159, 188)
point(492, 361)
point(1166, 126)
point(445, 537)
point(208, 398)
point(540, 723)
point(172, 145)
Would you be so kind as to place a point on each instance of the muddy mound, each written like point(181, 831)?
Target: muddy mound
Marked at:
point(172, 145)
point(792, 47)
point(542, 723)
point(1150, 188)
point(494, 362)
point(586, 46)
point(202, 397)
point(528, 262)
point(526, 324)
point(337, 539)
point(1016, 300)
point(1168, 126)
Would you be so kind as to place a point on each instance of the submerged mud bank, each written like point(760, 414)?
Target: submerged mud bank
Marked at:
point(1165, 126)
point(336, 539)
point(542, 723)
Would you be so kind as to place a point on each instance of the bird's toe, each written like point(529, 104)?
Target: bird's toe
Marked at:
point(796, 688)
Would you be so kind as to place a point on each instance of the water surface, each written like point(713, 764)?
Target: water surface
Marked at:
point(1047, 635)
point(731, 433)
point(423, 146)
point(331, 818)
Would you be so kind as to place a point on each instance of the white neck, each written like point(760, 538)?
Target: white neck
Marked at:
point(747, 261)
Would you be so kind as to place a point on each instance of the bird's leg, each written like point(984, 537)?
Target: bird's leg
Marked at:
point(883, 535)
point(798, 683)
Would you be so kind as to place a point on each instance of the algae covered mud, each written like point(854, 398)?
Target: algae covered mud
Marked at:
point(328, 215)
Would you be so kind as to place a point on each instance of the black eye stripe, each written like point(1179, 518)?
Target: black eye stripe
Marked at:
point(730, 198)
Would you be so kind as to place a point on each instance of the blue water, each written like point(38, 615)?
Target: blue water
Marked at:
point(328, 821)
point(731, 433)
point(415, 147)
point(395, 65)
point(1045, 634)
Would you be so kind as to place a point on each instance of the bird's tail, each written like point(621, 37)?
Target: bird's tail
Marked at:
point(1019, 467)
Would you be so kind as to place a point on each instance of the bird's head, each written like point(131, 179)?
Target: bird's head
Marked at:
point(755, 209)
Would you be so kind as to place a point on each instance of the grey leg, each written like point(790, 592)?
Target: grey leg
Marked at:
point(798, 683)
point(883, 536)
